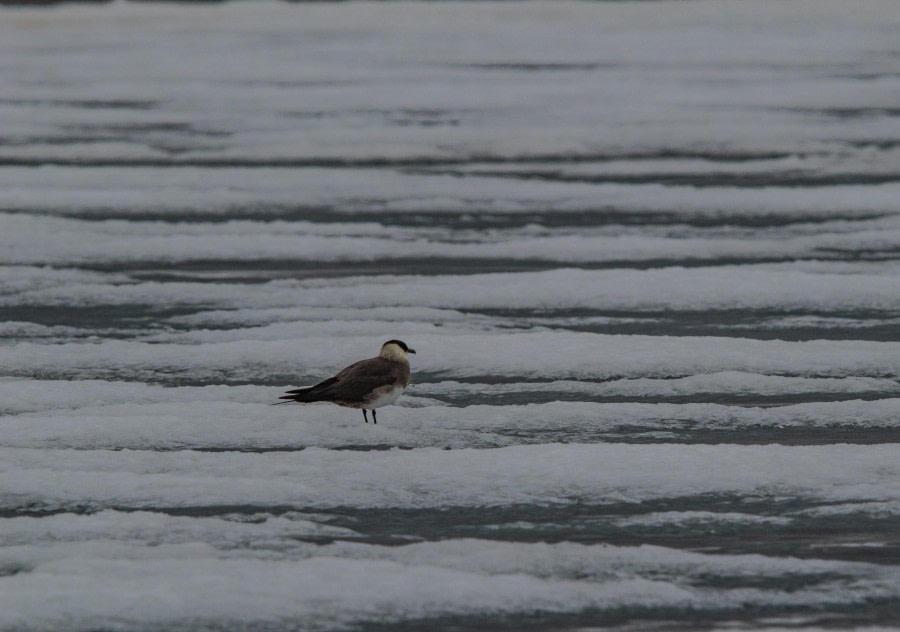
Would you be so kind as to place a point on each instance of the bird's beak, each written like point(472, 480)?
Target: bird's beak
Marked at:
point(410, 351)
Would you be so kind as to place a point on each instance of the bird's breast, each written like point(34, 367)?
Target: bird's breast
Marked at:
point(383, 396)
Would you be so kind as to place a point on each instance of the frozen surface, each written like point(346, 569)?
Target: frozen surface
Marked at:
point(647, 253)
point(433, 478)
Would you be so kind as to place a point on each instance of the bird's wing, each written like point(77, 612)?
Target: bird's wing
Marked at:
point(353, 383)
point(360, 378)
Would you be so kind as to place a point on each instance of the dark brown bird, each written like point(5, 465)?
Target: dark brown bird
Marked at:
point(367, 384)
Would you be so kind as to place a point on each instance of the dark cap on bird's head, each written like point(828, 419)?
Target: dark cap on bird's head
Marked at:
point(400, 344)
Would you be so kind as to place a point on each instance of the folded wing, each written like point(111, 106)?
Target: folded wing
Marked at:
point(350, 385)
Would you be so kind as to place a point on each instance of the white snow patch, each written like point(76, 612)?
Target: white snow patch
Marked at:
point(428, 477)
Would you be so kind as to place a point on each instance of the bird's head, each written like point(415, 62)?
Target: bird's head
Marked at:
point(396, 350)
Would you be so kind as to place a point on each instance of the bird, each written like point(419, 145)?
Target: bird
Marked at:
point(367, 384)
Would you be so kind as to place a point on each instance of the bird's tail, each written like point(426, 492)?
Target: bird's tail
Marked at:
point(309, 394)
point(303, 395)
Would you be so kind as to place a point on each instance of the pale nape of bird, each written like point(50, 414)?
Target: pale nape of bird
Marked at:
point(367, 384)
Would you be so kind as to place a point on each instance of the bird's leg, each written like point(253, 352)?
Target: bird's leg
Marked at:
point(366, 415)
point(374, 418)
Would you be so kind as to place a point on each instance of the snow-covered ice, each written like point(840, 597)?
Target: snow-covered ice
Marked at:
point(647, 253)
